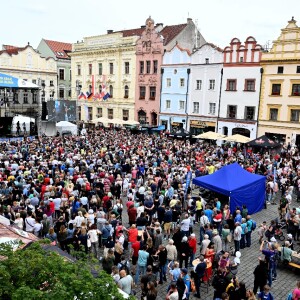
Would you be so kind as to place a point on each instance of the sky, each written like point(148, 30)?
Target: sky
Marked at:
point(219, 21)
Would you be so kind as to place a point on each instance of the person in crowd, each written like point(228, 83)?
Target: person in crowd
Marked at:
point(260, 275)
point(126, 282)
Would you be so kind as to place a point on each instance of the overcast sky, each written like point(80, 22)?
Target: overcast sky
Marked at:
point(70, 20)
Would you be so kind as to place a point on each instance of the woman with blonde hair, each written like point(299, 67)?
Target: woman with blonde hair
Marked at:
point(19, 221)
point(78, 220)
point(52, 236)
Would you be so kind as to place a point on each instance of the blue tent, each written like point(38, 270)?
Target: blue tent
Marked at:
point(241, 186)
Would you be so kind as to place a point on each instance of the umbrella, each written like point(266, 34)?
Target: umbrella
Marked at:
point(238, 138)
point(117, 121)
point(263, 142)
point(210, 135)
point(131, 122)
point(101, 120)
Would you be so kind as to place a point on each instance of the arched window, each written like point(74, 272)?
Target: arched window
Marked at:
point(111, 91)
point(100, 88)
point(126, 91)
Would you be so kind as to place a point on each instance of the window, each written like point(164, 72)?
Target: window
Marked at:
point(125, 114)
point(231, 85)
point(295, 114)
point(196, 108)
point(241, 59)
point(100, 69)
point(276, 87)
point(90, 89)
point(273, 114)
point(207, 61)
point(79, 112)
point(51, 83)
point(155, 64)
point(182, 82)
point(249, 85)
point(298, 69)
point(212, 108)
point(181, 105)
point(280, 70)
point(142, 92)
point(34, 98)
point(198, 84)
point(90, 69)
point(296, 90)
point(126, 65)
point(111, 68)
point(212, 83)
point(168, 104)
point(69, 93)
point(249, 112)
point(126, 91)
point(111, 91)
point(100, 88)
point(70, 73)
point(25, 98)
point(148, 66)
point(43, 83)
point(79, 70)
point(34, 81)
point(141, 67)
point(99, 112)
point(110, 113)
point(152, 92)
point(231, 111)
point(90, 113)
point(61, 93)
point(61, 74)
point(169, 82)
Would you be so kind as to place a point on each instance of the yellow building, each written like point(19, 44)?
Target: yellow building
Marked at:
point(104, 68)
point(27, 64)
point(279, 112)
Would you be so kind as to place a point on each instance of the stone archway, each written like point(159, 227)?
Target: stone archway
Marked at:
point(142, 116)
point(153, 118)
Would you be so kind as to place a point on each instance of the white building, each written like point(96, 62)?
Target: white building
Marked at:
point(240, 88)
point(204, 88)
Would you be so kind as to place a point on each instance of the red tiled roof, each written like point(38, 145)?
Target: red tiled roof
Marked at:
point(132, 32)
point(60, 49)
point(9, 49)
point(170, 32)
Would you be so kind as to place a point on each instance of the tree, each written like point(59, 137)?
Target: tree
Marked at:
point(34, 273)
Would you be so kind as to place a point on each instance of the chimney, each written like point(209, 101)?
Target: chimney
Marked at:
point(159, 24)
point(189, 20)
point(143, 26)
point(109, 31)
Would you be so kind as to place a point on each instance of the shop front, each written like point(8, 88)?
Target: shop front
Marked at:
point(197, 126)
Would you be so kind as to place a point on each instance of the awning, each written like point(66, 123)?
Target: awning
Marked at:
point(8, 81)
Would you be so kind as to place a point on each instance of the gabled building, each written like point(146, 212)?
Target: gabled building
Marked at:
point(59, 51)
point(240, 88)
point(204, 89)
point(175, 88)
point(150, 48)
point(28, 65)
point(279, 113)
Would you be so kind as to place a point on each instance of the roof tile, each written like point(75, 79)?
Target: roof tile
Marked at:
point(60, 49)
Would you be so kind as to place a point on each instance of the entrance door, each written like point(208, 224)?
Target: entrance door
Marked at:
point(153, 118)
point(142, 117)
point(241, 131)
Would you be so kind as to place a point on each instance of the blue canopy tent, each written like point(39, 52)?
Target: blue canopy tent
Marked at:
point(241, 186)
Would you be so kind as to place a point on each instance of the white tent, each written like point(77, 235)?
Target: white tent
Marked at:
point(64, 126)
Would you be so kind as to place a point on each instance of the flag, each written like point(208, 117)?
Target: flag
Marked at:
point(86, 111)
point(106, 96)
point(82, 96)
point(90, 96)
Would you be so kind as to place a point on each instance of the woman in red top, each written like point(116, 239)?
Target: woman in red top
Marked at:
point(132, 213)
point(193, 246)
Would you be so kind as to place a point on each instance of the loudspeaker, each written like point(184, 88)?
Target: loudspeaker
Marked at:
point(44, 111)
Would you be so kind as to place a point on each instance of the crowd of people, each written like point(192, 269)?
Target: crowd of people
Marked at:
point(126, 200)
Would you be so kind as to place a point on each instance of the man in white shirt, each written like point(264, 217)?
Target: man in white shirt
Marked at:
point(29, 222)
point(57, 202)
point(185, 226)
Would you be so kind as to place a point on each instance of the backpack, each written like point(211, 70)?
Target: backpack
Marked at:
point(253, 227)
point(124, 266)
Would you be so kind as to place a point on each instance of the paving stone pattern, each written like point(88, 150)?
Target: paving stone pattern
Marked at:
point(286, 279)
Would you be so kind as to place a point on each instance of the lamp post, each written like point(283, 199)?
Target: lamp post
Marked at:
point(40, 106)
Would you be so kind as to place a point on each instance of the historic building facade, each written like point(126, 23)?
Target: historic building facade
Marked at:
point(279, 113)
point(59, 51)
point(27, 64)
point(104, 72)
point(204, 89)
point(240, 88)
point(175, 88)
point(150, 48)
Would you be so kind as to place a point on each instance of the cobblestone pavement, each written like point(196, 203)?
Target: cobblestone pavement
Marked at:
point(286, 279)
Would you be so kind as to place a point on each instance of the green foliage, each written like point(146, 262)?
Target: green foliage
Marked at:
point(34, 273)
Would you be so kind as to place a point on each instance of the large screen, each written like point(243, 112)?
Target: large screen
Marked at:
point(61, 110)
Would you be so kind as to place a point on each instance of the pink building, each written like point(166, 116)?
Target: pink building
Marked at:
point(149, 52)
